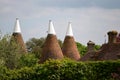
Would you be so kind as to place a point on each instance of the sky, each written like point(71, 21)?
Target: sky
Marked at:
point(91, 19)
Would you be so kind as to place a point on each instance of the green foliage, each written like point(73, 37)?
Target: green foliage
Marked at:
point(27, 60)
point(81, 48)
point(97, 47)
point(16, 66)
point(64, 70)
point(34, 45)
point(60, 42)
point(10, 52)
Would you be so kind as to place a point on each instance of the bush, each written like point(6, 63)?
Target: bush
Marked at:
point(27, 60)
point(64, 70)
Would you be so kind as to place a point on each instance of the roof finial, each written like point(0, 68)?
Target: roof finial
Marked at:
point(69, 30)
point(51, 29)
point(17, 26)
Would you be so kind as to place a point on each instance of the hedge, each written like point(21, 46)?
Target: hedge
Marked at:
point(65, 70)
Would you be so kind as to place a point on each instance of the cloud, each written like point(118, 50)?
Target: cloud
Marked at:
point(88, 23)
point(28, 8)
point(79, 3)
point(91, 19)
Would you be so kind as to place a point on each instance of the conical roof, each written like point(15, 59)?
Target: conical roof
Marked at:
point(69, 46)
point(17, 36)
point(51, 48)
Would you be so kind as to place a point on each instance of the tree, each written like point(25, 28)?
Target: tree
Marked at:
point(60, 42)
point(35, 45)
point(10, 52)
point(81, 48)
point(97, 47)
point(27, 60)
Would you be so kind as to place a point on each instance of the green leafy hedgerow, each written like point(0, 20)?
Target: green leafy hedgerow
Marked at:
point(65, 70)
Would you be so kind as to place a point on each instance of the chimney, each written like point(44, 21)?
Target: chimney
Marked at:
point(17, 36)
point(90, 46)
point(112, 36)
point(51, 48)
point(69, 46)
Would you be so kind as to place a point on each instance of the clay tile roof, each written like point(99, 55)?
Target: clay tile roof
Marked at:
point(17, 36)
point(69, 46)
point(109, 52)
point(89, 56)
point(51, 48)
point(118, 38)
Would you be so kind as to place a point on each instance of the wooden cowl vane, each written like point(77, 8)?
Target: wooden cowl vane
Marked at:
point(69, 46)
point(17, 36)
point(51, 48)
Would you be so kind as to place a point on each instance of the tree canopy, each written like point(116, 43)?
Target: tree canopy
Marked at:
point(12, 57)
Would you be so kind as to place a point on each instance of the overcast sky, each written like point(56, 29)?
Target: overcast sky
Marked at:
point(91, 19)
